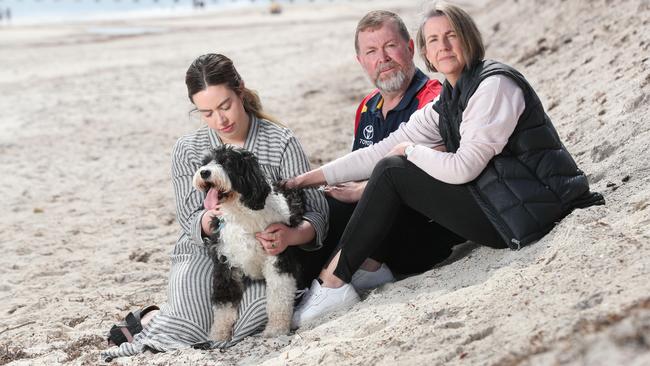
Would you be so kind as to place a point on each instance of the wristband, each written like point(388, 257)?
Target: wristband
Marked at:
point(408, 150)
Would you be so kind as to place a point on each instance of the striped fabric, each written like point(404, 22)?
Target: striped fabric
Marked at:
point(186, 318)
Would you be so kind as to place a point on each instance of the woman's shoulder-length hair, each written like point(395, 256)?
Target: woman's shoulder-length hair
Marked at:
point(466, 30)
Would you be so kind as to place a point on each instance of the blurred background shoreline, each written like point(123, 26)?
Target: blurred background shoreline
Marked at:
point(38, 12)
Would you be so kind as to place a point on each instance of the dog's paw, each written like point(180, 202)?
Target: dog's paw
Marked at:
point(272, 332)
point(224, 320)
point(220, 334)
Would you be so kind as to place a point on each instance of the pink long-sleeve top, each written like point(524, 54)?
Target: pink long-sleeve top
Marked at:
point(488, 121)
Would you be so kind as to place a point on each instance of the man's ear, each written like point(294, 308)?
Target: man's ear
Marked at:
point(412, 47)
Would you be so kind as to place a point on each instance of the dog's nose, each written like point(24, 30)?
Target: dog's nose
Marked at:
point(205, 174)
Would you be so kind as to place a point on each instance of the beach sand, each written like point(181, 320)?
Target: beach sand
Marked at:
point(88, 119)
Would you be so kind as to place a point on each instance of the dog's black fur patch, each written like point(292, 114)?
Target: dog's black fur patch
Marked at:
point(215, 225)
point(287, 260)
point(227, 282)
point(296, 201)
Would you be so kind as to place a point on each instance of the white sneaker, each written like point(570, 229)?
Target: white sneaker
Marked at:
point(320, 300)
point(366, 280)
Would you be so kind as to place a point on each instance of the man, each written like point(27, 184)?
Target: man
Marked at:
point(385, 50)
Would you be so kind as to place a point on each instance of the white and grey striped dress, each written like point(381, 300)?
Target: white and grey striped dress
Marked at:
point(186, 318)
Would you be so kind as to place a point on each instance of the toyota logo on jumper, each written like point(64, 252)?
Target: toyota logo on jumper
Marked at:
point(368, 132)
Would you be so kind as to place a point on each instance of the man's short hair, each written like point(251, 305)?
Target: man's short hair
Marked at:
point(375, 20)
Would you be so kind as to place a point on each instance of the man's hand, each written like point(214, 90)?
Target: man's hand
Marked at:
point(348, 192)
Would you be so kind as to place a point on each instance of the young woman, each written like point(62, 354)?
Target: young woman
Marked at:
point(233, 115)
point(503, 180)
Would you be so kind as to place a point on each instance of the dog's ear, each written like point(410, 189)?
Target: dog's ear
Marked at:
point(208, 156)
point(250, 182)
point(295, 200)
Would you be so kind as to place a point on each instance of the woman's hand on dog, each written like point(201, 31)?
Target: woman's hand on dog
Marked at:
point(348, 192)
point(206, 220)
point(311, 178)
point(275, 239)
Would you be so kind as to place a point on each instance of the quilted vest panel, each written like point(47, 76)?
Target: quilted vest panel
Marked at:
point(534, 182)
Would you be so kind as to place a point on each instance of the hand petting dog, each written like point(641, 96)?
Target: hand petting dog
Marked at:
point(275, 239)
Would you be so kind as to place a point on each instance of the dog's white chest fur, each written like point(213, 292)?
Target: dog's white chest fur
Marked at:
point(238, 241)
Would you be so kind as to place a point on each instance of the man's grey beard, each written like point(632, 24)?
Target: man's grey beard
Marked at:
point(395, 82)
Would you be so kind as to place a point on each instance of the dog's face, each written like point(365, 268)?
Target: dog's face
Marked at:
point(235, 173)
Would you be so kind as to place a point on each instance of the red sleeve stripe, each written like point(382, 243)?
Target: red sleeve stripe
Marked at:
point(360, 109)
point(428, 93)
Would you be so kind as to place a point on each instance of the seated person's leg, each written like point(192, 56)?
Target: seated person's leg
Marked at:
point(415, 243)
point(313, 262)
point(394, 182)
point(370, 275)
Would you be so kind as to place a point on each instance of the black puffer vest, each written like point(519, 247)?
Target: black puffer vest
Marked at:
point(534, 182)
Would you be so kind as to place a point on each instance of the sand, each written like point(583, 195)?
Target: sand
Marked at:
point(87, 220)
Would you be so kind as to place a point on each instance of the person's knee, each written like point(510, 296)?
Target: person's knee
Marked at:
point(337, 207)
point(391, 162)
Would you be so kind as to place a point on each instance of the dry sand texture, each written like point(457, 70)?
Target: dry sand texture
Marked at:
point(88, 120)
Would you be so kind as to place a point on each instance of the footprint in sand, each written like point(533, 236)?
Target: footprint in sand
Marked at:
point(635, 103)
point(479, 335)
point(452, 325)
point(371, 328)
point(602, 151)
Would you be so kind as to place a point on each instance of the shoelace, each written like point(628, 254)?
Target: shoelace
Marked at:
point(300, 293)
point(309, 296)
point(306, 295)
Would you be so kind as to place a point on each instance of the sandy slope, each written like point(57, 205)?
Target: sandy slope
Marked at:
point(87, 219)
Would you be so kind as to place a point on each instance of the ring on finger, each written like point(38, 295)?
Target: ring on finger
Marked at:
point(274, 244)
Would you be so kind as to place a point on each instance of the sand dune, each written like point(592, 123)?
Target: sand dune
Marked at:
point(86, 129)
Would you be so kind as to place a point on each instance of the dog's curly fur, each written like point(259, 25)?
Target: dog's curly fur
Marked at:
point(248, 205)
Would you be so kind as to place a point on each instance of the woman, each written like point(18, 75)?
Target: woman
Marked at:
point(233, 115)
point(484, 161)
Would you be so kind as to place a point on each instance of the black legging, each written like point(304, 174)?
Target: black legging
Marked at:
point(413, 245)
point(394, 182)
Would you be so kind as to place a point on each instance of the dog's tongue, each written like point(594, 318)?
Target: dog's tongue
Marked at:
point(211, 199)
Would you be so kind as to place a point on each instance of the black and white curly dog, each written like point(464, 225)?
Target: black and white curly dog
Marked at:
point(249, 203)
